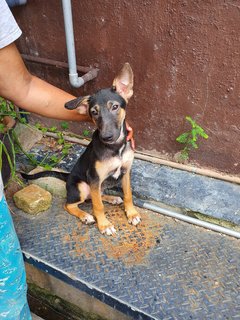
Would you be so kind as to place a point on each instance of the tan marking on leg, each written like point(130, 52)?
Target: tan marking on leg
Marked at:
point(112, 199)
point(104, 225)
point(132, 214)
point(73, 209)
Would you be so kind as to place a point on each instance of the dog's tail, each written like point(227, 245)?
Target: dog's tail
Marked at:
point(56, 174)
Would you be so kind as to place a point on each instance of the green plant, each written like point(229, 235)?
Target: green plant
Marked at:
point(190, 138)
point(51, 160)
point(10, 155)
point(8, 115)
point(64, 125)
point(9, 150)
point(8, 109)
point(86, 133)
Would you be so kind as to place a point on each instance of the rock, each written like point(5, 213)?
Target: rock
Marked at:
point(27, 136)
point(56, 186)
point(32, 199)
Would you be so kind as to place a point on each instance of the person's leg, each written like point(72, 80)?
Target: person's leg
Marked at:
point(13, 287)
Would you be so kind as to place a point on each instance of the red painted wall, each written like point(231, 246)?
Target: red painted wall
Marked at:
point(186, 59)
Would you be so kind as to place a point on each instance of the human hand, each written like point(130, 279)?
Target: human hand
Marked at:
point(130, 136)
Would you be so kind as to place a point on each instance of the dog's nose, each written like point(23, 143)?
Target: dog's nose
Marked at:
point(107, 138)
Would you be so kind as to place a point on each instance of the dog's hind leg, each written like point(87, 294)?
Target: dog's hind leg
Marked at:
point(77, 195)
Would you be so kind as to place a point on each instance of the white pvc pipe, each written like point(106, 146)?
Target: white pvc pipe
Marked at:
point(74, 79)
point(179, 216)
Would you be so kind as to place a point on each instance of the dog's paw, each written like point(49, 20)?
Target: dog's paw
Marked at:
point(87, 219)
point(134, 220)
point(134, 217)
point(109, 231)
point(117, 200)
point(112, 199)
point(77, 212)
point(105, 227)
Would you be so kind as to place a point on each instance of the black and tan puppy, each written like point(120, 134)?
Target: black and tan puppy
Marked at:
point(107, 159)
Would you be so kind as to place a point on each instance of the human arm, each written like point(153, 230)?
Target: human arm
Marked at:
point(130, 135)
point(31, 93)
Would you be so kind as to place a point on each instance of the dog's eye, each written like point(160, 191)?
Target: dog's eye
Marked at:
point(115, 107)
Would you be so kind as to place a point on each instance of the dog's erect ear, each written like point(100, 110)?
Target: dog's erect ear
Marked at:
point(82, 103)
point(123, 83)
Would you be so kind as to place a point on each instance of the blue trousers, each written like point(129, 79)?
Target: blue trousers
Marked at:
point(13, 287)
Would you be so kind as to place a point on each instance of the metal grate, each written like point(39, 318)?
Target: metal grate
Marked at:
point(162, 269)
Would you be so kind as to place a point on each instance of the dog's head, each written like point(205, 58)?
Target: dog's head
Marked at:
point(107, 106)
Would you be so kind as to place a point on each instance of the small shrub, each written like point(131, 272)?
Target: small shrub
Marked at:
point(190, 138)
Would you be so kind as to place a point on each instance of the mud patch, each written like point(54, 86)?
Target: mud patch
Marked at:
point(131, 244)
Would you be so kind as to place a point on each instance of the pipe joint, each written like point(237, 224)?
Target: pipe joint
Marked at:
point(75, 80)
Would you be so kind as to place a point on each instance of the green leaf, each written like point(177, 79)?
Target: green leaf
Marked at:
point(53, 129)
point(23, 120)
point(64, 125)
point(54, 158)
point(3, 104)
point(1, 148)
point(2, 127)
point(67, 145)
point(193, 144)
point(205, 136)
point(65, 152)
point(59, 134)
point(61, 141)
point(86, 133)
point(47, 166)
point(192, 122)
point(183, 138)
point(194, 134)
point(38, 125)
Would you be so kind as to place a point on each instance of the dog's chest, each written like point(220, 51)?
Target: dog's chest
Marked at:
point(115, 166)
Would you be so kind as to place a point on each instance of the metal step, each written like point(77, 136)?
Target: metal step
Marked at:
point(162, 269)
point(213, 199)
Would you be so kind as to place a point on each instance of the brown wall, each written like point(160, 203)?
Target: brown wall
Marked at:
point(185, 55)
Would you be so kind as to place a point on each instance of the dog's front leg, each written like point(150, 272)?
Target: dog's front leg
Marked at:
point(104, 225)
point(131, 212)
